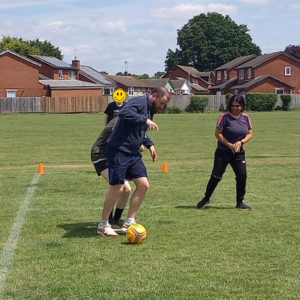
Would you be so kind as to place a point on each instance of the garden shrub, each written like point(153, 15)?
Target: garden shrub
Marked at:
point(260, 101)
point(198, 104)
point(286, 102)
point(227, 97)
point(174, 110)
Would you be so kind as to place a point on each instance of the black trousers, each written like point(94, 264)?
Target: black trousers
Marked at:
point(238, 164)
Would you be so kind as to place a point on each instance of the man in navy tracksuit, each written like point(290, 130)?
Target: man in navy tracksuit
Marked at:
point(123, 156)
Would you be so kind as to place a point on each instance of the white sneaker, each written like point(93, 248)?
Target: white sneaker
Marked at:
point(126, 225)
point(106, 231)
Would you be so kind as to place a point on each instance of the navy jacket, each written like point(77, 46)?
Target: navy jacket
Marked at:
point(130, 132)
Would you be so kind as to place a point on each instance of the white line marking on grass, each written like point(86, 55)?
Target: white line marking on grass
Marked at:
point(11, 243)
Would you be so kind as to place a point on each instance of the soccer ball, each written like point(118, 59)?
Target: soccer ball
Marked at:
point(136, 233)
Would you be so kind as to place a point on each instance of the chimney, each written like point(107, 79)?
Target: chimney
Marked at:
point(76, 64)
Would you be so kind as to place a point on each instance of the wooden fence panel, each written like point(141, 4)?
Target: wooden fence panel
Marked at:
point(20, 105)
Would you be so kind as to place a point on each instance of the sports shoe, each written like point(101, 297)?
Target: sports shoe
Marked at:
point(126, 225)
point(242, 206)
point(203, 203)
point(116, 225)
point(106, 231)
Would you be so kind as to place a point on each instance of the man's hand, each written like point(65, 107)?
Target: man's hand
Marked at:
point(151, 125)
point(153, 153)
point(142, 148)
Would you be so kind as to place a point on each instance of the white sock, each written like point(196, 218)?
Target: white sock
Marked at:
point(130, 220)
point(103, 223)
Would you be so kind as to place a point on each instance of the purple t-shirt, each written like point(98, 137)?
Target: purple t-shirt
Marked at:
point(233, 128)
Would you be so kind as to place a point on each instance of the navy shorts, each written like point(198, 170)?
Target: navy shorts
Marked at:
point(100, 166)
point(123, 165)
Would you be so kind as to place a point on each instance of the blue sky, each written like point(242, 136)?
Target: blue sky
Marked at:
point(105, 34)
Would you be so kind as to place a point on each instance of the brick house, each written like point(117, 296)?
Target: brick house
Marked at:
point(276, 72)
point(19, 76)
point(226, 75)
point(62, 79)
point(87, 73)
point(192, 75)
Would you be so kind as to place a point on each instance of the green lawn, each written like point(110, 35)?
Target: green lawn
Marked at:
point(216, 253)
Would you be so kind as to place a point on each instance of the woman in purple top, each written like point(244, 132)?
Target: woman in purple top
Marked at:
point(233, 130)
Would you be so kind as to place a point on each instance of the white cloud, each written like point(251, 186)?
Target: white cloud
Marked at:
point(258, 2)
point(295, 6)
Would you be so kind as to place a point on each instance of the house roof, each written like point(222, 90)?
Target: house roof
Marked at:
point(126, 81)
point(235, 62)
point(44, 77)
point(194, 72)
point(197, 87)
point(223, 84)
point(94, 75)
point(53, 62)
point(154, 83)
point(177, 83)
point(263, 58)
point(70, 84)
point(256, 80)
point(20, 56)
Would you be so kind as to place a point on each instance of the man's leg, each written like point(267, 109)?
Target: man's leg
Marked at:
point(142, 186)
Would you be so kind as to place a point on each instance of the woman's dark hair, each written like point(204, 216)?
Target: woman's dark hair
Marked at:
point(239, 99)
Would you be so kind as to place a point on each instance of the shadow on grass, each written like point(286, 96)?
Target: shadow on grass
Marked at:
point(80, 230)
point(206, 208)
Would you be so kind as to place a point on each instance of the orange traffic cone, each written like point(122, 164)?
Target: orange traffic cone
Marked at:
point(165, 167)
point(40, 169)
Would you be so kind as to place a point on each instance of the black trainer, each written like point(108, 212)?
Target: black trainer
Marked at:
point(242, 206)
point(203, 203)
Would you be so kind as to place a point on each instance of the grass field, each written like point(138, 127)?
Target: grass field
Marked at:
point(216, 253)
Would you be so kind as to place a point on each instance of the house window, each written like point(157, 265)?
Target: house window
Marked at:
point(131, 91)
point(60, 74)
point(143, 91)
point(225, 74)
point(11, 94)
point(249, 73)
point(219, 75)
point(241, 74)
point(288, 71)
point(138, 92)
point(279, 91)
point(71, 74)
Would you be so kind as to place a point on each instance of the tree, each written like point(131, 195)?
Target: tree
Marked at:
point(157, 75)
point(210, 39)
point(46, 48)
point(35, 47)
point(15, 45)
point(293, 50)
point(104, 72)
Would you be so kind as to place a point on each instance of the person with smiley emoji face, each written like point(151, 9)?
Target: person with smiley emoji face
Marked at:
point(233, 130)
point(113, 108)
point(123, 156)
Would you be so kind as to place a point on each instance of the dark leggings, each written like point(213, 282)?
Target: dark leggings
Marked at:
point(238, 164)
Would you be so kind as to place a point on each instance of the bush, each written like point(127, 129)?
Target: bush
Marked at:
point(227, 97)
point(260, 101)
point(174, 110)
point(286, 102)
point(198, 104)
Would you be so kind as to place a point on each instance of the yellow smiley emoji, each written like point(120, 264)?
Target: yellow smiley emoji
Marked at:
point(119, 95)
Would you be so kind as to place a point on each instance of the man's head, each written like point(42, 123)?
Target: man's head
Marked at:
point(159, 98)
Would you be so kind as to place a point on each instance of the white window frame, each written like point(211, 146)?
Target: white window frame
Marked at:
point(249, 73)
point(225, 74)
point(218, 75)
point(71, 74)
point(11, 93)
point(60, 74)
point(287, 71)
point(279, 89)
point(241, 74)
point(131, 91)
